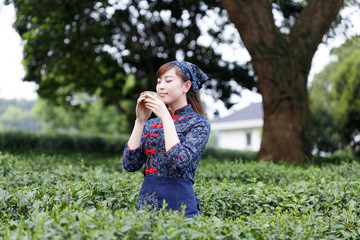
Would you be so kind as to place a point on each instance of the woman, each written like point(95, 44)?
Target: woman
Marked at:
point(170, 145)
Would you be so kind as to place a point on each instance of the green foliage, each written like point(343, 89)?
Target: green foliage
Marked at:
point(323, 134)
point(113, 49)
point(222, 153)
point(15, 118)
point(346, 92)
point(44, 115)
point(16, 140)
point(347, 152)
point(25, 105)
point(18, 115)
point(75, 196)
point(92, 118)
point(335, 100)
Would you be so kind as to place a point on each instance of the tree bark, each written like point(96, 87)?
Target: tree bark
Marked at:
point(282, 63)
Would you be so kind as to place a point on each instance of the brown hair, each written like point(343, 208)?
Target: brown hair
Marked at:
point(192, 97)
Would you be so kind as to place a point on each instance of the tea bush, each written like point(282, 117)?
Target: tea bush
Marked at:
point(81, 196)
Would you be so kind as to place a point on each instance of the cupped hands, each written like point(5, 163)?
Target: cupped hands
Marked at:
point(157, 106)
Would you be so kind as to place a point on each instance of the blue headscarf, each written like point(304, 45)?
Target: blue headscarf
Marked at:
point(193, 73)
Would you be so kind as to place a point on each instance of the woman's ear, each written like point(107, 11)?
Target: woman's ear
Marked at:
point(187, 86)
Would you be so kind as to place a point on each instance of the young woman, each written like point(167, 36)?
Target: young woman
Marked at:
point(170, 145)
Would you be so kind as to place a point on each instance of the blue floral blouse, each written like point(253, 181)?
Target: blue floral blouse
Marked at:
point(182, 159)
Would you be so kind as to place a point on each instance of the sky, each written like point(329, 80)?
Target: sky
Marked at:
point(12, 71)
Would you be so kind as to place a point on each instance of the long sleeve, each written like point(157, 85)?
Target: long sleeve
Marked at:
point(182, 159)
point(133, 159)
point(188, 151)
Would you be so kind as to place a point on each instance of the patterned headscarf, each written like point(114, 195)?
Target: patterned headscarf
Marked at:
point(193, 73)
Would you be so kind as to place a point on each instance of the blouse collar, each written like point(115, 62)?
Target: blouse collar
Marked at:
point(181, 110)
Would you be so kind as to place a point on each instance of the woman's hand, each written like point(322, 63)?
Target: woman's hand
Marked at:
point(142, 112)
point(157, 106)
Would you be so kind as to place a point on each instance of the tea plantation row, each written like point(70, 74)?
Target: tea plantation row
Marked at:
point(80, 196)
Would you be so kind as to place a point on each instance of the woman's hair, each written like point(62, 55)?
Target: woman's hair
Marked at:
point(192, 97)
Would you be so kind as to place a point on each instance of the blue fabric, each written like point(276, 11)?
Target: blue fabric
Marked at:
point(181, 161)
point(177, 193)
point(193, 73)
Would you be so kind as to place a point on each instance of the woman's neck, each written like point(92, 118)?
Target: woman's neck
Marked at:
point(179, 104)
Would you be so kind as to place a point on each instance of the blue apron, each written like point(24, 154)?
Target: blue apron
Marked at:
point(175, 191)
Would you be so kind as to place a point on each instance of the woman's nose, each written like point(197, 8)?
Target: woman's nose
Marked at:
point(161, 85)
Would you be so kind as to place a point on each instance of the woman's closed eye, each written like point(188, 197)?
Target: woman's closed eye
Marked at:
point(166, 80)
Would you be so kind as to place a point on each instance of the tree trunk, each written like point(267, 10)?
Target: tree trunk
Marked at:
point(286, 112)
point(282, 63)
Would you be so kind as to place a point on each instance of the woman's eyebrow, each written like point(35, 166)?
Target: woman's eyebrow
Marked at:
point(168, 76)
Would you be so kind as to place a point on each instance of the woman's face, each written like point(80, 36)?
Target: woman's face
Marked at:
point(171, 87)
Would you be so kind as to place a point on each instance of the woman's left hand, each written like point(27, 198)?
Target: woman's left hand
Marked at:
point(157, 106)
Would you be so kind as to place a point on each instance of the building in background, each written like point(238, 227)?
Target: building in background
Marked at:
point(241, 130)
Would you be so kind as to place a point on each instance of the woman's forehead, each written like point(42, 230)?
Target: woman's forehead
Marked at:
point(170, 73)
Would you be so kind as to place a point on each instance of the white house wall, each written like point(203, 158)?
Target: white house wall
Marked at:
point(231, 131)
point(237, 139)
point(253, 123)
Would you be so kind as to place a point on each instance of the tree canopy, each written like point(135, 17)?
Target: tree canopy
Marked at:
point(95, 118)
point(335, 98)
point(18, 115)
point(75, 50)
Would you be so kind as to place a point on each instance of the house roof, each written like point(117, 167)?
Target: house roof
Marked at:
point(253, 111)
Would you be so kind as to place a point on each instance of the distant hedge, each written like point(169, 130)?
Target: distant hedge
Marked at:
point(56, 141)
point(93, 143)
point(227, 154)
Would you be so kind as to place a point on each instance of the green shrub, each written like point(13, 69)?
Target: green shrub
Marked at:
point(346, 152)
point(229, 154)
point(66, 142)
point(44, 196)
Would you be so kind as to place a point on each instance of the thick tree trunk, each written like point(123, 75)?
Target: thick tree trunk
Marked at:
point(282, 63)
point(285, 112)
point(284, 135)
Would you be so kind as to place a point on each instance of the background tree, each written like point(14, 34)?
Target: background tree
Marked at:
point(346, 83)
point(96, 47)
point(75, 50)
point(335, 93)
point(281, 58)
point(323, 134)
point(18, 115)
point(93, 118)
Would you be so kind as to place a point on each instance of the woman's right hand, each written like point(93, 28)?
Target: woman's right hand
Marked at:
point(142, 113)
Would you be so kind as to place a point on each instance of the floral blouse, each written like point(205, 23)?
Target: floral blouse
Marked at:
point(182, 159)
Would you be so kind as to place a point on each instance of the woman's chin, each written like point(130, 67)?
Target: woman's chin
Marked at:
point(164, 100)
